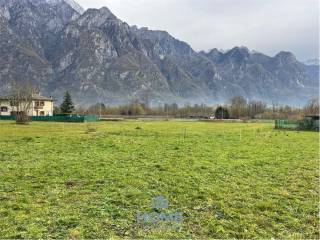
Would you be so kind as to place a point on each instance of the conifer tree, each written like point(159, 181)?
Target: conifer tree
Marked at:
point(222, 113)
point(67, 106)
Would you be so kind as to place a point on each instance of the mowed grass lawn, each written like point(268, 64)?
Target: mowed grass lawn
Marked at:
point(230, 180)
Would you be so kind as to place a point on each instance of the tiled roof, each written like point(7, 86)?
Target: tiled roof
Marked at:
point(41, 98)
point(34, 97)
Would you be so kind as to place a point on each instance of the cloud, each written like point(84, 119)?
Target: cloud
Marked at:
point(268, 26)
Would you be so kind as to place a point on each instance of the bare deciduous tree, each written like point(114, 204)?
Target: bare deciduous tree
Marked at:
point(255, 108)
point(238, 107)
point(312, 107)
point(21, 101)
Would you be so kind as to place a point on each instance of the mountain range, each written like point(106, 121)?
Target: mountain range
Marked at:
point(59, 46)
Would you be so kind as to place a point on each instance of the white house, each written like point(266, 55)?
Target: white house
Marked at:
point(41, 106)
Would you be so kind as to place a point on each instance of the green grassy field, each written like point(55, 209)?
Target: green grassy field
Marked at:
point(230, 180)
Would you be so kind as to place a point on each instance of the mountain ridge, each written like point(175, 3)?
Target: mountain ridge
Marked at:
point(100, 58)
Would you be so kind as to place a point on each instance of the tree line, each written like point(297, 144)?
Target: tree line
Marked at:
point(236, 108)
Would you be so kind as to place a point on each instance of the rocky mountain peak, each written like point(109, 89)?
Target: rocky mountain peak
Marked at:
point(215, 55)
point(237, 55)
point(75, 6)
point(71, 3)
point(97, 17)
point(214, 51)
point(105, 11)
point(163, 43)
point(238, 52)
point(285, 57)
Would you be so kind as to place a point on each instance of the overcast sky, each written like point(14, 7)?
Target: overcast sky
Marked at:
point(268, 26)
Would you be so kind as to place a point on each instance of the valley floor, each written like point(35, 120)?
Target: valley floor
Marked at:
point(229, 180)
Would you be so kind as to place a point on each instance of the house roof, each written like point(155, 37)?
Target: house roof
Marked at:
point(34, 97)
point(39, 97)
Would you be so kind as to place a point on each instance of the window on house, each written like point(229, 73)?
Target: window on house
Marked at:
point(13, 103)
point(42, 113)
point(3, 109)
point(39, 104)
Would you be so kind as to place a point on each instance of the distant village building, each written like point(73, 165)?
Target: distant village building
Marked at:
point(41, 106)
